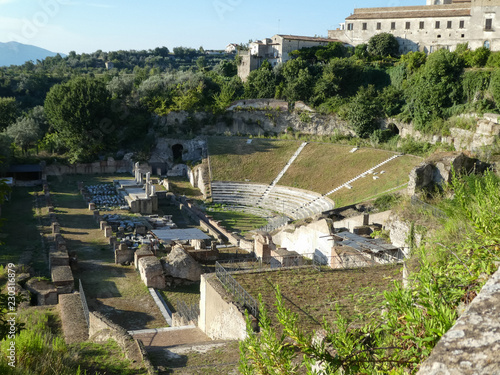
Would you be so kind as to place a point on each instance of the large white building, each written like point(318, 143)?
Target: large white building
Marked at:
point(439, 24)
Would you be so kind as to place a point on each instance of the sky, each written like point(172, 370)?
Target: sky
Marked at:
point(110, 25)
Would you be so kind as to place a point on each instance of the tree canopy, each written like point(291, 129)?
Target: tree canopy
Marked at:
point(80, 113)
point(383, 44)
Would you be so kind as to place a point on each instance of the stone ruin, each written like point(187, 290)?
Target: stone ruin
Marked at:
point(151, 271)
point(180, 265)
point(438, 171)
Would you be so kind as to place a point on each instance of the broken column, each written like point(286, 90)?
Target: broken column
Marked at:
point(136, 172)
point(103, 224)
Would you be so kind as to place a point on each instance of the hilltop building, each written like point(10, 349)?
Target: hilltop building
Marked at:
point(275, 50)
point(438, 24)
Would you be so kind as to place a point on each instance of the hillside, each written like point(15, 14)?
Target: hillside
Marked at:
point(14, 53)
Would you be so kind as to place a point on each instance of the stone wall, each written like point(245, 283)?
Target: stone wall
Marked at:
point(220, 319)
point(101, 167)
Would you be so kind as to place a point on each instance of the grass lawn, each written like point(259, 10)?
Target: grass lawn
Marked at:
point(232, 159)
point(238, 221)
point(20, 233)
point(315, 295)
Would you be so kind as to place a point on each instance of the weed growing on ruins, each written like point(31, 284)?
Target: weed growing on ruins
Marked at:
point(448, 272)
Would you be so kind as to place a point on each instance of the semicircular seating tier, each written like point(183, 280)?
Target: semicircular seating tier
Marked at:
point(294, 203)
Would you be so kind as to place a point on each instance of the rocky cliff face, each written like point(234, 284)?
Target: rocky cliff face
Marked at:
point(485, 134)
point(256, 122)
point(439, 170)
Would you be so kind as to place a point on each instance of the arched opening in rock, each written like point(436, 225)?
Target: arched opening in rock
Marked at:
point(177, 153)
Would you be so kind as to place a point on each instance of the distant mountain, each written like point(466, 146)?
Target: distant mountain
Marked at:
point(14, 53)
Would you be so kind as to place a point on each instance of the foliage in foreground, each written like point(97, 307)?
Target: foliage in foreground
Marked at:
point(450, 270)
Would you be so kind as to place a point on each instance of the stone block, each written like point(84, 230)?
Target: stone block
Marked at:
point(45, 291)
point(141, 253)
point(151, 272)
point(92, 206)
point(62, 277)
point(58, 258)
point(103, 224)
point(124, 256)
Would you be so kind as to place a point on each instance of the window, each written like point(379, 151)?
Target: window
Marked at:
point(407, 25)
point(379, 26)
point(438, 25)
point(393, 25)
point(365, 25)
point(463, 36)
point(448, 25)
point(488, 24)
point(486, 44)
point(350, 26)
point(422, 24)
point(461, 24)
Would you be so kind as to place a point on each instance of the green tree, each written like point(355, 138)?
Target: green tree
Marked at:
point(79, 111)
point(261, 83)
point(25, 132)
point(495, 86)
point(9, 110)
point(434, 88)
point(383, 44)
point(363, 111)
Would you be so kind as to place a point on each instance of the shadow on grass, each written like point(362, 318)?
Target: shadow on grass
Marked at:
point(128, 319)
point(239, 146)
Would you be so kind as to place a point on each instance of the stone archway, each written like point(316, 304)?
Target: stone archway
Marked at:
point(177, 150)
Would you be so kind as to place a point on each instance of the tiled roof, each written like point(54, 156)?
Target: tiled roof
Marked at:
point(307, 38)
point(378, 13)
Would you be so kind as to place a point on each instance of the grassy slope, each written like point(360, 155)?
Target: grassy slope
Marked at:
point(232, 159)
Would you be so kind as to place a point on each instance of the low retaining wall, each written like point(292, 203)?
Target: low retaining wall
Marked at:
point(101, 329)
point(100, 167)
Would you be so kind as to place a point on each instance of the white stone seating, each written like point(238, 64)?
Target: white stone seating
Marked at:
point(295, 203)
